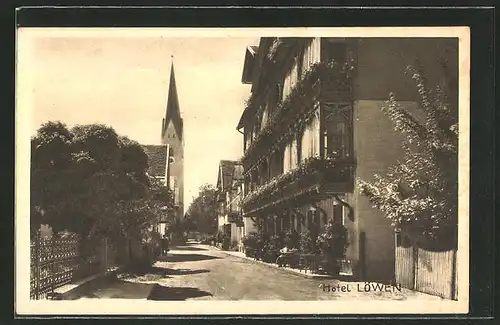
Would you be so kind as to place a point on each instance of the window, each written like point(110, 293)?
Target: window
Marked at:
point(265, 115)
point(310, 139)
point(279, 92)
point(257, 124)
point(317, 219)
point(277, 223)
point(264, 172)
point(333, 50)
point(294, 154)
point(286, 158)
point(299, 224)
point(338, 212)
point(300, 135)
point(336, 130)
point(245, 139)
point(311, 55)
point(300, 62)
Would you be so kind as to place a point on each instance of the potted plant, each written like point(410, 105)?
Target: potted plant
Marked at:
point(333, 244)
point(251, 244)
point(272, 249)
point(308, 242)
point(262, 245)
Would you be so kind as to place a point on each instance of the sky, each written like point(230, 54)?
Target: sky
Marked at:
point(123, 82)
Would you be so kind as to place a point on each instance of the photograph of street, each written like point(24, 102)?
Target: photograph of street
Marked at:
point(247, 168)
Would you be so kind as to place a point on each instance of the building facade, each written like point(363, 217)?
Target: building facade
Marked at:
point(157, 169)
point(229, 195)
point(172, 138)
point(313, 124)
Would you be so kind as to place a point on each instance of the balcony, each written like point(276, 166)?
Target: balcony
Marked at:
point(323, 83)
point(313, 180)
point(221, 196)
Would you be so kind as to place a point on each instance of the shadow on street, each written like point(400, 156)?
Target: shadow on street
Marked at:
point(120, 289)
point(160, 292)
point(187, 257)
point(188, 248)
point(153, 273)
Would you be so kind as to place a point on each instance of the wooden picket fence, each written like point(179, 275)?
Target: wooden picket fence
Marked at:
point(56, 262)
point(425, 271)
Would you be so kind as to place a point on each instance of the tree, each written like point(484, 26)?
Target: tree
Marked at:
point(419, 194)
point(202, 213)
point(91, 181)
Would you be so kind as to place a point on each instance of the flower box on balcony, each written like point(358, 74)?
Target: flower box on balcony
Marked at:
point(319, 175)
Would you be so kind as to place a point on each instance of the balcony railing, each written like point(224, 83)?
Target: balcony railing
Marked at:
point(332, 81)
point(322, 176)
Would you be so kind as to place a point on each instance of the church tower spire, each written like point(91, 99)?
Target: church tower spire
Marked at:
point(173, 114)
point(172, 139)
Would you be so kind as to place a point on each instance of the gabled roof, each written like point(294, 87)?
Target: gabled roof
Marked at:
point(254, 74)
point(249, 64)
point(157, 159)
point(229, 171)
point(173, 113)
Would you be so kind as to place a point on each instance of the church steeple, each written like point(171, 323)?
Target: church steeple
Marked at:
point(173, 113)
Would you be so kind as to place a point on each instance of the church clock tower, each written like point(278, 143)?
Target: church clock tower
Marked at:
point(172, 137)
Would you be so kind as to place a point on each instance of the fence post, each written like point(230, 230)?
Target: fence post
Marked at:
point(37, 265)
point(415, 265)
point(454, 295)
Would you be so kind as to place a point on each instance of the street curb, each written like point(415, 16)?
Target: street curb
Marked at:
point(297, 273)
point(74, 291)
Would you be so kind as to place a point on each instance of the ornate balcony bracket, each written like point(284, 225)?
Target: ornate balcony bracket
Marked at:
point(350, 213)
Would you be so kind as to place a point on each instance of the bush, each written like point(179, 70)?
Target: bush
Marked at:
point(272, 248)
point(234, 246)
point(252, 243)
point(292, 239)
point(251, 240)
point(308, 242)
point(219, 237)
point(208, 240)
point(333, 240)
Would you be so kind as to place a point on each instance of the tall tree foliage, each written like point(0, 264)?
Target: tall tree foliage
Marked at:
point(419, 194)
point(91, 181)
point(202, 213)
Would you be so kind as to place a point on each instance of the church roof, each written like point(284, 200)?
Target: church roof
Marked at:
point(173, 113)
point(157, 159)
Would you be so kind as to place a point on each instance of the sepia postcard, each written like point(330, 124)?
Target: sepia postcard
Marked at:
point(240, 171)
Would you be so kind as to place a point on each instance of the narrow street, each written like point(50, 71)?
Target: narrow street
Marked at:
point(201, 272)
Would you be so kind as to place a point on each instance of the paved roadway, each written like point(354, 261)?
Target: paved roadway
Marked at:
point(200, 272)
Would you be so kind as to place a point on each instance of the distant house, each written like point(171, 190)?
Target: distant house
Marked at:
point(157, 161)
point(229, 191)
point(157, 169)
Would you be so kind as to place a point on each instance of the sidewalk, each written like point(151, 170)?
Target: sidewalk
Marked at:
point(74, 289)
point(284, 268)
